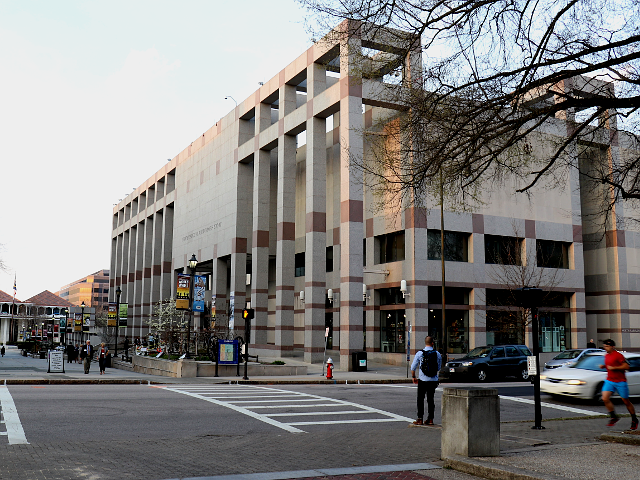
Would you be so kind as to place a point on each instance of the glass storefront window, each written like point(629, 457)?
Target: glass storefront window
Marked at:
point(392, 331)
point(504, 328)
point(555, 331)
point(457, 329)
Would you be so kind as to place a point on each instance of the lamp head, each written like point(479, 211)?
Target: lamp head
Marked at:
point(193, 262)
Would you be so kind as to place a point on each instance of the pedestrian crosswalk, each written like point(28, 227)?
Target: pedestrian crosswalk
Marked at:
point(286, 409)
point(9, 417)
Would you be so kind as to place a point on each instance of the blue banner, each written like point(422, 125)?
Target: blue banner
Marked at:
point(199, 287)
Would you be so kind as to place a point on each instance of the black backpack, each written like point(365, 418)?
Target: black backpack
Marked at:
point(429, 364)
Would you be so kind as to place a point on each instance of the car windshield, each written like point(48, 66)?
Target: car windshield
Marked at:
point(479, 352)
point(567, 354)
point(590, 362)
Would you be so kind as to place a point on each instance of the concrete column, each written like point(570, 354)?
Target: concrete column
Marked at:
point(146, 305)
point(219, 291)
point(285, 213)
point(167, 285)
point(415, 273)
point(156, 259)
point(315, 222)
point(260, 245)
point(138, 318)
point(351, 201)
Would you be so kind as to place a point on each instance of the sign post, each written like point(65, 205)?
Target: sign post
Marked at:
point(56, 362)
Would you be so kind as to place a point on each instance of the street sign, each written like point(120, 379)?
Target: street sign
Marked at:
point(56, 362)
point(531, 365)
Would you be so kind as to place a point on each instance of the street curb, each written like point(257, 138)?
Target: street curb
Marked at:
point(492, 471)
point(214, 381)
point(627, 439)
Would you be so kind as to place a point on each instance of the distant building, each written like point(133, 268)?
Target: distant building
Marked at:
point(93, 290)
point(42, 310)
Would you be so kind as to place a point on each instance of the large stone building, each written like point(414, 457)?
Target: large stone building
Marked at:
point(276, 216)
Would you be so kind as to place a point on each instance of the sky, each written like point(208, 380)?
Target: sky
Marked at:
point(95, 96)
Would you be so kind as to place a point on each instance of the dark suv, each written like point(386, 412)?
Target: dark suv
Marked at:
point(495, 362)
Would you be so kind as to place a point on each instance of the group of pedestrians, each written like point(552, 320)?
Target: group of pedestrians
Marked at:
point(87, 352)
point(427, 364)
point(73, 353)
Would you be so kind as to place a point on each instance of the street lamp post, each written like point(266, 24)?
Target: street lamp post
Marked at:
point(193, 262)
point(118, 293)
point(529, 297)
point(82, 305)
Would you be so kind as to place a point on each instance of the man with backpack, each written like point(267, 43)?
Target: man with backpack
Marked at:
point(429, 362)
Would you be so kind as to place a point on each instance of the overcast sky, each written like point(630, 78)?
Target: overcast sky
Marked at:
point(96, 96)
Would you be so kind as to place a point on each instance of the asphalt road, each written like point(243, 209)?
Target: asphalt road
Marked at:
point(155, 432)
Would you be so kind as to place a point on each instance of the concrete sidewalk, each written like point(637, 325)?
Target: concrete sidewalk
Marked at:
point(578, 448)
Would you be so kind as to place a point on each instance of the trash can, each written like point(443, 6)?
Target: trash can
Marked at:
point(359, 360)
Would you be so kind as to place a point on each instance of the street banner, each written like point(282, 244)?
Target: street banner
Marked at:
point(182, 292)
point(63, 322)
point(86, 322)
point(232, 308)
point(77, 323)
point(112, 315)
point(123, 315)
point(56, 328)
point(199, 287)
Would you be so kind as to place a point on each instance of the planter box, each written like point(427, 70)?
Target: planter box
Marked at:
point(191, 368)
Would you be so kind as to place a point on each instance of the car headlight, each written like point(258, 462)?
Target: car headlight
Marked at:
point(466, 364)
point(576, 382)
point(543, 377)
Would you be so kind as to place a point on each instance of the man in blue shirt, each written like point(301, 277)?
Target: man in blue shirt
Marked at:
point(426, 385)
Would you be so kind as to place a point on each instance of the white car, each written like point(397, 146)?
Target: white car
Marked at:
point(584, 379)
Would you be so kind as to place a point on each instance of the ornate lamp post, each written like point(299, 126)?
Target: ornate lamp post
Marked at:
point(193, 262)
point(82, 305)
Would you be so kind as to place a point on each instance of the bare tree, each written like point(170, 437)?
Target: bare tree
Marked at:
point(500, 78)
point(107, 333)
point(513, 266)
point(168, 323)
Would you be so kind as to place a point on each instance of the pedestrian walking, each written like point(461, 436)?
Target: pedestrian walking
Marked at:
point(102, 358)
point(2, 350)
point(591, 344)
point(427, 362)
point(70, 352)
point(616, 381)
point(76, 353)
point(126, 347)
point(85, 355)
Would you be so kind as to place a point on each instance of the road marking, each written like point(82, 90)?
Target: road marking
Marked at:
point(552, 405)
point(230, 398)
point(15, 432)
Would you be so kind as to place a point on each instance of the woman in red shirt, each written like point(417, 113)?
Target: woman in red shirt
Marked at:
point(102, 358)
point(616, 381)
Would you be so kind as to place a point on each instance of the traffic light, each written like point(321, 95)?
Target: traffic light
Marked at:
point(247, 313)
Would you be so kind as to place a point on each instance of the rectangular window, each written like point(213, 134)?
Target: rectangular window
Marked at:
point(299, 264)
point(452, 295)
point(456, 246)
point(391, 247)
point(502, 250)
point(555, 331)
point(329, 259)
point(392, 331)
point(551, 254)
point(391, 296)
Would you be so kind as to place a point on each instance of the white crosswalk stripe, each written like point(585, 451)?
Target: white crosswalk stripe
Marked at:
point(270, 402)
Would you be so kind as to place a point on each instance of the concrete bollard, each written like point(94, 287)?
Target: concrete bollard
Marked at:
point(470, 422)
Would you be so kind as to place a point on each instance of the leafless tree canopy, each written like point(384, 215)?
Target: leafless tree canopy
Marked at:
point(495, 74)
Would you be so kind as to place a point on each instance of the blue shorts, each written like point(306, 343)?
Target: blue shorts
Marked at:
point(621, 387)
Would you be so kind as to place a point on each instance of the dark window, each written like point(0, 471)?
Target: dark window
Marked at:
point(392, 331)
point(512, 352)
point(504, 328)
point(329, 259)
point(456, 246)
point(497, 352)
point(364, 252)
point(502, 250)
point(300, 264)
point(552, 254)
point(452, 295)
point(391, 296)
point(391, 247)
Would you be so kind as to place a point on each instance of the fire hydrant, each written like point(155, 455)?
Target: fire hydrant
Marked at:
point(329, 369)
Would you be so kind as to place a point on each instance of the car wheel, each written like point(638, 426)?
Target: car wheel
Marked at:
point(482, 375)
point(597, 394)
point(524, 374)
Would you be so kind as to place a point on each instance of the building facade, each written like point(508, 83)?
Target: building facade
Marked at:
point(277, 216)
point(93, 290)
